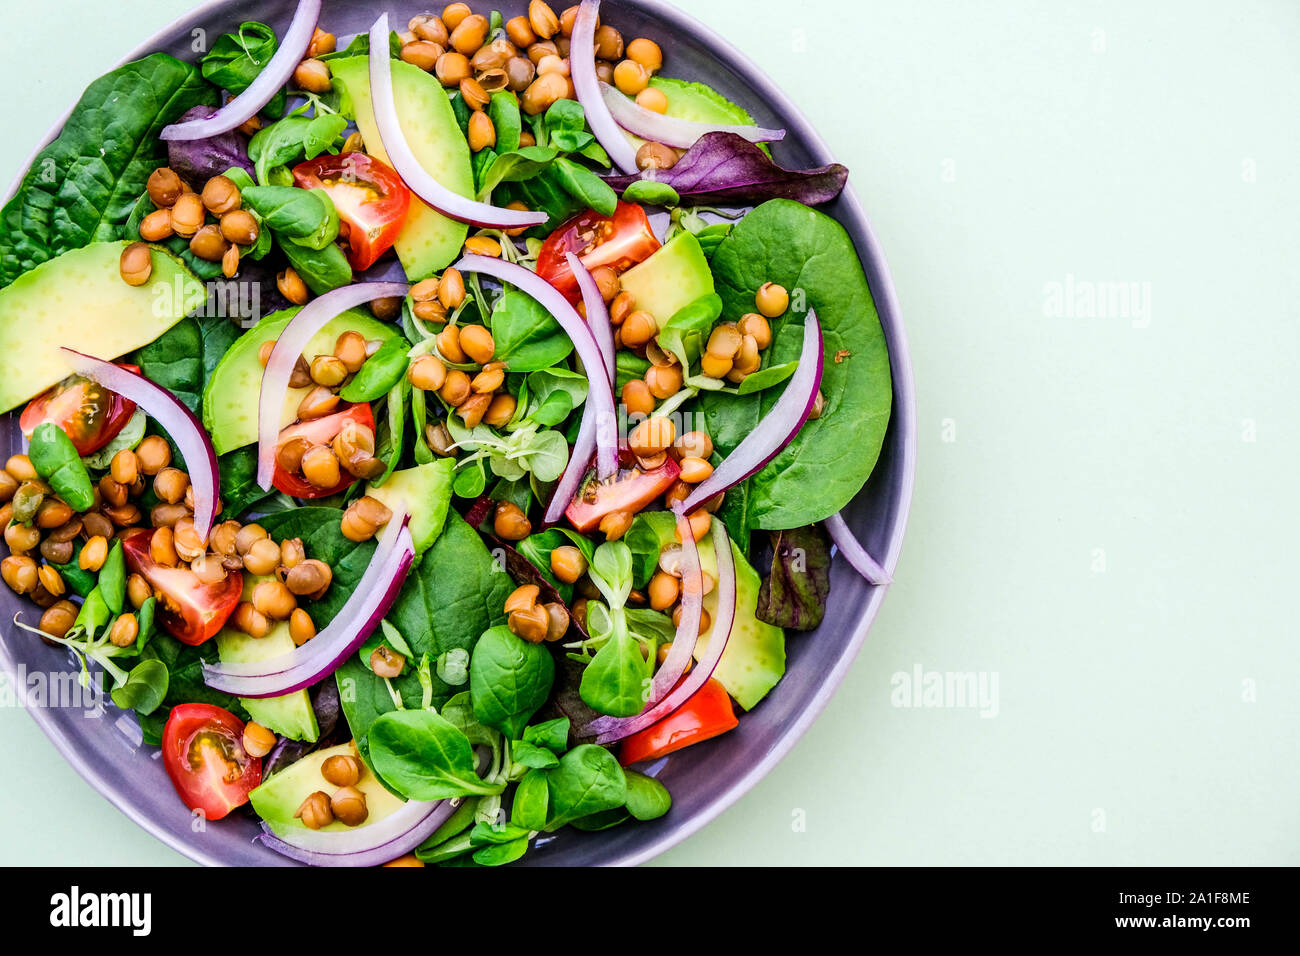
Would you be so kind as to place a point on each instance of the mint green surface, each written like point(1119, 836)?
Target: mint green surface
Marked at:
point(1105, 511)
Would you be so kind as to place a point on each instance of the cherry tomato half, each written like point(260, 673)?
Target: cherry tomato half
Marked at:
point(371, 200)
point(705, 714)
point(90, 414)
point(319, 431)
point(188, 609)
point(203, 751)
point(619, 242)
point(630, 490)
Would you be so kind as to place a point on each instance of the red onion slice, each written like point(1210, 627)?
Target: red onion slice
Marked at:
point(175, 419)
point(669, 130)
point(311, 318)
point(684, 641)
point(404, 160)
point(582, 64)
point(778, 427)
point(597, 312)
point(371, 845)
point(854, 552)
point(703, 670)
point(579, 458)
point(291, 52)
point(324, 653)
point(600, 389)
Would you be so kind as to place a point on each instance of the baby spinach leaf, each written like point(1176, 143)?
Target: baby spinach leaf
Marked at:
point(504, 112)
point(145, 687)
point(551, 734)
point(647, 798)
point(236, 59)
point(513, 166)
point(585, 186)
point(501, 854)
point(532, 756)
point(292, 139)
point(239, 487)
point(292, 212)
point(531, 800)
point(766, 378)
point(322, 269)
point(527, 336)
point(509, 679)
point(56, 460)
point(811, 255)
point(82, 187)
point(380, 373)
point(651, 193)
point(795, 592)
point(588, 780)
point(423, 757)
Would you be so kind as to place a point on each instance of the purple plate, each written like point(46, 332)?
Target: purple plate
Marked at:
point(705, 779)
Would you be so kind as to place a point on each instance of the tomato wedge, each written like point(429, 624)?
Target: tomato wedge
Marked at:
point(90, 414)
point(620, 242)
point(203, 751)
point(188, 609)
point(371, 199)
point(319, 431)
point(630, 490)
point(705, 714)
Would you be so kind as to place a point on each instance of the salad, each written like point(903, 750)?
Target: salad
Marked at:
point(429, 433)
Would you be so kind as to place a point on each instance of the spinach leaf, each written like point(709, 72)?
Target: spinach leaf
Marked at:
point(174, 360)
point(82, 187)
point(423, 757)
point(551, 734)
point(509, 679)
point(531, 801)
point(239, 487)
point(553, 394)
point(527, 336)
point(300, 214)
point(380, 373)
point(322, 269)
point(504, 113)
point(237, 58)
point(651, 193)
point(56, 460)
point(811, 255)
point(390, 431)
point(585, 186)
point(647, 798)
point(515, 165)
point(766, 378)
point(588, 780)
point(530, 755)
point(292, 139)
point(145, 687)
point(795, 592)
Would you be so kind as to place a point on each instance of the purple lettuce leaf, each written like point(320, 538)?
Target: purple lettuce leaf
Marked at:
point(197, 161)
point(726, 169)
point(795, 592)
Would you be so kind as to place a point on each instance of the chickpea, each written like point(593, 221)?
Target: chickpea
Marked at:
point(725, 341)
point(165, 515)
point(342, 770)
point(164, 187)
point(757, 326)
point(715, 366)
point(93, 523)
point(257, 741)
point(454, 14)
point(112, 492)
point(520, 71)
point(748, 359)
point(136, 264)
point(543, 19)
point(482, 134)
point(349, 806)
point(699, 522)
point(156, 226)
point(615, 524)
point(430, 310)
point(220, 195)
point(124, 630)
point(124, 517)
point(522, 598)
point(544, 92)
point(320, 467)
point(695, 470)
point(451, 68)
point(501, 410)
point(706, 621)
point(328, 370)
point(321, 42)
point(273, 599)
point(631, 77)
point(520, 32)
point(93, 554)
point(663, 591)
point(313, 76)
point(250, 620)
point(138, 590)
point(20, 573)
point(510, 523)
point(647, 53)
point(428, 27)
point(656, 101)
point(568, 563)
point(22, 539)
point(125, 467)
point(531, 624)
point(552, 63)
point(187, 215)
point(409, 859)
point(557, 621)
point(427, 373)
point(350, 348)
point(483, 246)
point(51, 580)
point(386, 662)
point(638, 329)
point(423, 54)
point(652, 436)
point(170, 484)
point(230, 262)
point(53, 513)
point(262, 558)
point(609, 43)
point(8, 485)
point(607, 282)
point(439, 440)
point(316, 811)
point(456, 389)
point(664, 381)
point(386, 309)
point(655, 156)
point(20, 468)
point(291, 286)
point(540, 49)
point(186, 540)
point(56, 552)
point(318, 403)
point(772, 300)
point(468, 35)
point(58, 617)
point(301, 627)
point(637, 397)
point(451, 289)
point(819, 406)
point(473, 94)
point(292, 553)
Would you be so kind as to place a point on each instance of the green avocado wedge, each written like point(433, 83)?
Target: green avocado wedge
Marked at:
point(279, 796)
point(79, 300)
point(231, 396)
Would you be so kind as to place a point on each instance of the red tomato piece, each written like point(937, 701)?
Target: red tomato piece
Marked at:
point(189, 610)
point(632, 489)
point(371, 199)
point(203, 751)
point(619, 242)
point(90, 414)
point(705, 714)
point(319, 431)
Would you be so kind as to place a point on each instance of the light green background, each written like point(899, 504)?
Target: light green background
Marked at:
point(1105, 510)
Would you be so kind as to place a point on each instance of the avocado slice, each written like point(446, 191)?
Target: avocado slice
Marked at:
point(231, 396)
point(673, 277)
point(290, 715)
point(424, 492)
point(754, 658)
point(429, 241)
point(279, 796)
point(79, 300)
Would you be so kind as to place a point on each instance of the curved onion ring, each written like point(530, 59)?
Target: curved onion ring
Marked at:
point(854, 552)
point(324, 653)
point(600, 391)
point(704, 668)
point(582, 62)
point(669, 130)
point(597, 312)
point(176, 420)
point(404, 161)
point(273, 77)
point(311, 318)
point(778, 427)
